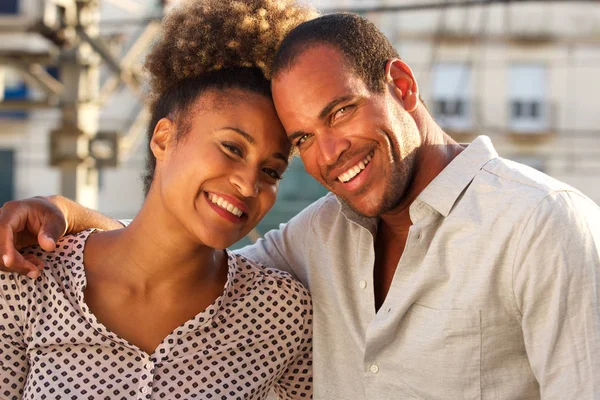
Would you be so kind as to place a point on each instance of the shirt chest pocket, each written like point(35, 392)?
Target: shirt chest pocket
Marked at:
point(439, 353)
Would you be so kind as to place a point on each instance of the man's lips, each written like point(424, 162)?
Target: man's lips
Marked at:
point(350, 169)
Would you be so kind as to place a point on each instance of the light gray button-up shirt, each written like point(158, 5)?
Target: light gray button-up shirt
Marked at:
point(497, 294)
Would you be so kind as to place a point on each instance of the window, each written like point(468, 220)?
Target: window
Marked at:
point(9, 7)
point(14, 89)
point(7, 169)
point(452, 95)
point(527, 93)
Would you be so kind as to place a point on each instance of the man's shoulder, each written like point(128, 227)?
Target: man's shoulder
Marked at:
point(321, 213)
point(509, 187)
point(523, 178)
point(324, 205)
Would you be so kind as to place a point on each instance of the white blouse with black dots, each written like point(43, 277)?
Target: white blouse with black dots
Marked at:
point(255, 337)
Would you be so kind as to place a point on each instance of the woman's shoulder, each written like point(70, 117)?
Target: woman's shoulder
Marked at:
point(68, 248)
point(65, 259)
point(270, 279)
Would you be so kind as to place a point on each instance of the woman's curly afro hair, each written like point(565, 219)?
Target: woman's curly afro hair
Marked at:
point(214, 44)
point(201, 36)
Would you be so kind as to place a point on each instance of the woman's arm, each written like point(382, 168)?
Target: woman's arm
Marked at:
point(13, 358)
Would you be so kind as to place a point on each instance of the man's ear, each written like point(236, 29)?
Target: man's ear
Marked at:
point(405, 85)
point(164, 133)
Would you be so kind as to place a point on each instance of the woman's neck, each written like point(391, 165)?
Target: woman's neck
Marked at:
point(155, 253)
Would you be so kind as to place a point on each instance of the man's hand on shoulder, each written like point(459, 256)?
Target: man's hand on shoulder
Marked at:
point(37, 220)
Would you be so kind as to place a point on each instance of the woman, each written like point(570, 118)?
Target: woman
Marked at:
point(159, 309)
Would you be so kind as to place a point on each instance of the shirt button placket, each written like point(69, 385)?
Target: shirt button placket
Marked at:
point(146, 379)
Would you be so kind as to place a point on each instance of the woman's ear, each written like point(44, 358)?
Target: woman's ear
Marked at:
point(399, 74)
point(162, 137)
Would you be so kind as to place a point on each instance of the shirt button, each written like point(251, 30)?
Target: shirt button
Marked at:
point(374, 368)
point(144, 390)
point(148, 366)
point(362, 284)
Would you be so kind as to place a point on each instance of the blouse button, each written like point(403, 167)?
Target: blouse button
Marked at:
point(362, 284)
point(145, 390)
point(374, 368)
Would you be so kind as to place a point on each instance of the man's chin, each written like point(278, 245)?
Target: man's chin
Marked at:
point(364, 209)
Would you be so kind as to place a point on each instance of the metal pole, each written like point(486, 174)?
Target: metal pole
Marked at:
point(70, 143)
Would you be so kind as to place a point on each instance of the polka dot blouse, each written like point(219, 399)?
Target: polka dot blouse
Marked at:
point(254, 338)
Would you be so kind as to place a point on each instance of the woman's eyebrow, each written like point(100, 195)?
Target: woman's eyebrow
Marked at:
point(246, 135)
point(281, 157)
point(251, 140)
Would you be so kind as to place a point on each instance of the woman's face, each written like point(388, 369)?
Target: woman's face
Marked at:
point(221, 177)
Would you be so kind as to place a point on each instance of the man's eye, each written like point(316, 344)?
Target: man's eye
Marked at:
point(233, 149)
point(341, 112)
point(302, 139)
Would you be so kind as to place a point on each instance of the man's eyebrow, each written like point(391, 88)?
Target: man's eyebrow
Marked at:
point(297, 134)
point(327, 109)
point(246, 135)
point(324, 112)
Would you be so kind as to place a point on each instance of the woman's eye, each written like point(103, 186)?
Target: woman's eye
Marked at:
point(233, 149)
point(273, 173)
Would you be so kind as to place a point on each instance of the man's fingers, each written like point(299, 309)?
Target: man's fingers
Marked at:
point(7, 250)
point(51, 231)
point(47, 240)
point(37, 263)
point(15, 262)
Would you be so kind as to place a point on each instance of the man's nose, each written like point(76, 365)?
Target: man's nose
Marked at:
point(331, 145)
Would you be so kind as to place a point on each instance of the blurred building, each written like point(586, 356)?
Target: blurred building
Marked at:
point(25, 134)
point(524, 74)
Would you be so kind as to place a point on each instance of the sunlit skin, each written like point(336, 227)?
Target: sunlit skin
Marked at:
point(333, 118)
point(168, 264)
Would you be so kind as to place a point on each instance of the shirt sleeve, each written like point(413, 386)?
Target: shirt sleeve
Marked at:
point(286, 248)
point(556, 280)
point(297, 380)
point(13, 360)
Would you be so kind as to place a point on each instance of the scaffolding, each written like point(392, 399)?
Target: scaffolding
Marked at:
point(65, 34)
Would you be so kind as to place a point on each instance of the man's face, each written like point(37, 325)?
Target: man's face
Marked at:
point(359, 144)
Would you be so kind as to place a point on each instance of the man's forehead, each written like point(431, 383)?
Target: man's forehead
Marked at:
point(315, 57)
point(321, 70)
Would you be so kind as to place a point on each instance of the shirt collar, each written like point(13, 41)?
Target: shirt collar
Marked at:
point(444, 190)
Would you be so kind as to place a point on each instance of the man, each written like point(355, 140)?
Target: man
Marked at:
point(437, 271)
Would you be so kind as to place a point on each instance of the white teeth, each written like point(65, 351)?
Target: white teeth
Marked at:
point(225, 205)
point(355, 170)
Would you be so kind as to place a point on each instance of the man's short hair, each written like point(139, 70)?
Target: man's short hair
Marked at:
point(365, 48)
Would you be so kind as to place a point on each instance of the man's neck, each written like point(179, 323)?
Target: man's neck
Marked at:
point(436, 152)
